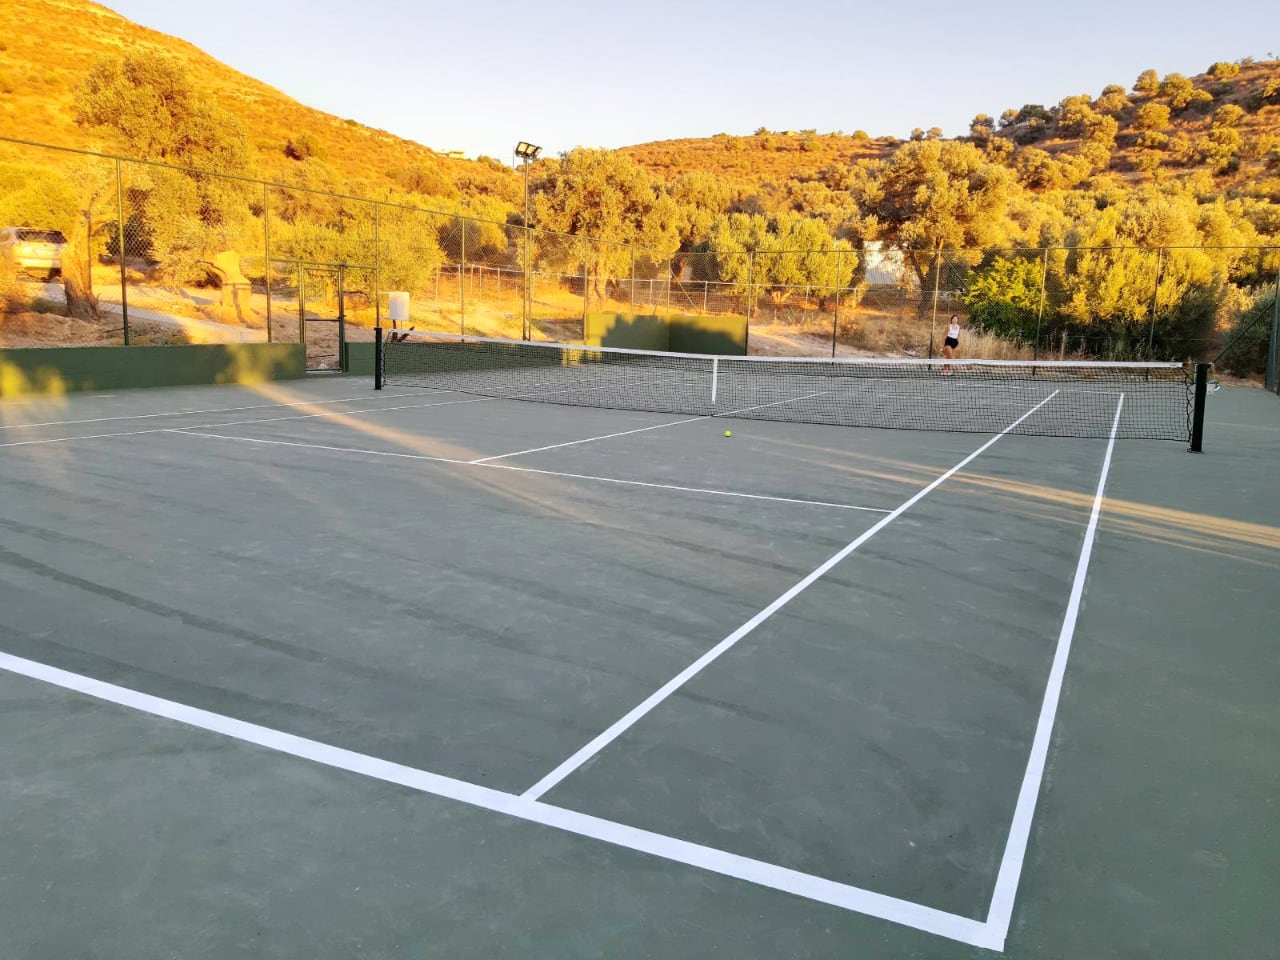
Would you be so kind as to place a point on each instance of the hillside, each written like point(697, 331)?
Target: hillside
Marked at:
point(1158, 129)
point(47, 47)
point(1224, 123)
point(766, 156)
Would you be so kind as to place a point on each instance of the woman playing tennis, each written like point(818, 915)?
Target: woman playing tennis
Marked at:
point(952, 343)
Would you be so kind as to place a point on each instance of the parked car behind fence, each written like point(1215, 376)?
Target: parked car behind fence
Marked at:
point(34, 251)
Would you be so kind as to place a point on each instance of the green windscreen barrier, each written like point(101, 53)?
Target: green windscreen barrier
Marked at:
point(628, 331)
point(65, 369)
point(358, 358)
point(724, 335)
point(719, 335)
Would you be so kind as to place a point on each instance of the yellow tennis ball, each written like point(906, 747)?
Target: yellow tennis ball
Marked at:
point(728, 433)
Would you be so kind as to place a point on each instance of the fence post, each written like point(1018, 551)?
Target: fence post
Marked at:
point(342, 318)
point(937, 278)
point(1044, 279)
point(302, 305)
point(1155, 302)
point(669, 266)
point(266, 247)
point(632, 286)
point(462, 290)
point(835, 320)
point(377, 264)
point(124, 285)
point(1273, 354)
point(586, 291)
point(527, 285)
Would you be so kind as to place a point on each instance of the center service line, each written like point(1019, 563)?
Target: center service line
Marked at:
point(689, 672)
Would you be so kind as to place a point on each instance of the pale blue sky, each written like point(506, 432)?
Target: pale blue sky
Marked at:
point(478, 77)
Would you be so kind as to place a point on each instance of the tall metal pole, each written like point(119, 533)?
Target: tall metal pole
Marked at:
point(1155, 302)
point(528, 242)
point(302, 305)
point(462, 290)
point(342, 318)
point(1044, 279)
point(1272, 375)
point(835, 319)
point(124, 285)
point(632, 249)
point(669, 266)
point(377, 264)
point(937, 278)
point(586, 288)
point(266, 247)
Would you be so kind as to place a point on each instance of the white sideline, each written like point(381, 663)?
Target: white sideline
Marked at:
point(193, 413)
point(844, 896)
point(195, 432)
point(241, 423)
point(1006, 887)
point(688, 673)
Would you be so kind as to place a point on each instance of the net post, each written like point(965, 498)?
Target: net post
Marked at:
point(377, 358)
point(1197, 408)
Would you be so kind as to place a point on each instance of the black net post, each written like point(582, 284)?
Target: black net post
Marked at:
point(377, 358)
point(1197, 408)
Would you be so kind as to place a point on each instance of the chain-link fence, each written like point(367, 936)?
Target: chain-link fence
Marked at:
point(159, 254)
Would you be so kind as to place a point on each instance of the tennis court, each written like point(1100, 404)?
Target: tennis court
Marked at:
point(311, 670)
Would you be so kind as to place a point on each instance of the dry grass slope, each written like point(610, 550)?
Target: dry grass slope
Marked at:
point(48, 46)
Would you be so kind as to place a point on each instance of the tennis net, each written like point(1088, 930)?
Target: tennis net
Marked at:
point(978, 396)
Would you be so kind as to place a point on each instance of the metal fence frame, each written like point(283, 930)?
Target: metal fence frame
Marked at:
point(595, 273)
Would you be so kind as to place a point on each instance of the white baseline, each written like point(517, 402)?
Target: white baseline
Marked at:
point(844, 896)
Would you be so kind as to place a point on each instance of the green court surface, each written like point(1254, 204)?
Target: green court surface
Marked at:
point(308, 671)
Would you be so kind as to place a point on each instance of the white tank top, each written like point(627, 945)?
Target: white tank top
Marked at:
point(953, 331)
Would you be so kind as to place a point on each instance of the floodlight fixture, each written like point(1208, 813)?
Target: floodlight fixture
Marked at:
point(527, 151)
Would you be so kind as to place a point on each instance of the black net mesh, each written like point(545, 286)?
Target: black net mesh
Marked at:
point(1069, 398)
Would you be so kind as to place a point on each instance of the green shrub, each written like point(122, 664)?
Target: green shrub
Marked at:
point(1249, 338)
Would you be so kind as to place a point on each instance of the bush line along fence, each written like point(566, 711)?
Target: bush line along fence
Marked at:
point(159, 253)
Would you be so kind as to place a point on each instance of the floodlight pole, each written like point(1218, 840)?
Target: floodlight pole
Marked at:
point(527, 257)
point(527, 151)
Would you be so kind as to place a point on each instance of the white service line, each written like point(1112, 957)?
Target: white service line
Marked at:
point(628, 720)
point(776, 403)
point(844, 896)
point(241, 423)
point(672, 486)
point(194, 432)
point(571, 443)
point(193, 413)
point(1006, 887)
